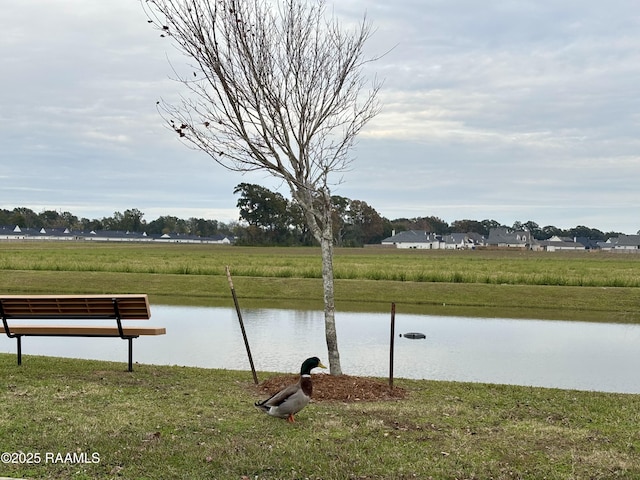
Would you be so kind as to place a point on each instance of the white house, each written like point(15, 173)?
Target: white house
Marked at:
point(505, 237)
point(420, 239)
point(460, 241)
point(57, 234)
point(556, 244)
point(623, 243)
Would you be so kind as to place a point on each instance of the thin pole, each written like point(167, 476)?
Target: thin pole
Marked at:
point(392, 343)
point(244, 333)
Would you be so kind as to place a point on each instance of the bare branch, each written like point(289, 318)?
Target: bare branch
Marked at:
point(276, 89)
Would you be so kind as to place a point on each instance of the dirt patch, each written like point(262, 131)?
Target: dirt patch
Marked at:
point(343, 388)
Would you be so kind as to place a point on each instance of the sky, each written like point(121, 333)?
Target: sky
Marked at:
point(510, 110)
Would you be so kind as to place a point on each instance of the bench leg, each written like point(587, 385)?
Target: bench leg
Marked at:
point(19, 340)
point(130, 354)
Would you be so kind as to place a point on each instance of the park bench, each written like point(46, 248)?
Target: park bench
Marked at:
point(16, 309)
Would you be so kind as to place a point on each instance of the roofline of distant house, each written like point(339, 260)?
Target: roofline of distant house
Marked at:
point(64, 234)
point(508, 238)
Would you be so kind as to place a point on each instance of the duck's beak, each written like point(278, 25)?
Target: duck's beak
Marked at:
point(320, 365)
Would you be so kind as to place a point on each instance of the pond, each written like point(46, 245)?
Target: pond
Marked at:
point(571, 355)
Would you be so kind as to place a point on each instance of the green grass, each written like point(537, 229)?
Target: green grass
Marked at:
point(563, 286)
point(489, 267)
point(178, 422)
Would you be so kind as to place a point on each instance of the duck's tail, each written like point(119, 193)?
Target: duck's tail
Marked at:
point(262, 406)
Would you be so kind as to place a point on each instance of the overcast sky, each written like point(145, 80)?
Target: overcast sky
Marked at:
point(511, 110)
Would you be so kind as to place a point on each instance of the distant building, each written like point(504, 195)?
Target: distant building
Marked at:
point(421, 239)
point(62, 234)
point(508, 238)
point(463, 241)
point(623, 243)
point(556, 244)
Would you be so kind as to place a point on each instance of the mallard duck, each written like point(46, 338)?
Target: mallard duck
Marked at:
point(290, 400)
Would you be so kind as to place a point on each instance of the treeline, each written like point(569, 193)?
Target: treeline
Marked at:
point(268, 218)
point(127, 221)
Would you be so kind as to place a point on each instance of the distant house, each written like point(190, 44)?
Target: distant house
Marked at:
point(589, 243)
point(623, 243)
point(183, 238)
point(18, 233)
point(460, 241)
point(556, 244)
point(508, 238)
point(420, 239)
point(57, 234)
point(114, 236)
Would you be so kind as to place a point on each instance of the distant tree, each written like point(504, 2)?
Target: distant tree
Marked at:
point(5, 216)
point(549, 231)
point(129, 221)
point(608, 235)
point(365, 224)
point(167, 224)
point(400, 224)
point(439, 225)
point(387, 228)
point(339, 215)
point(50, 219)
point(468, 226)
point(582, 231)
point(70, 221)
point(266, 212)
point(24, 217)
point(133, 220)
point(277, 86)
point(91, 225)
point(203, 228)
point(533, 228)
point(490, 224)
point(430, 224)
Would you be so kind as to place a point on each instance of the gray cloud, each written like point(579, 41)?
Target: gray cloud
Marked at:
point(512, 110)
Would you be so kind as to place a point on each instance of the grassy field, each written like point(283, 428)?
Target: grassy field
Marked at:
point(488, 267)
point(567, 286)
point(189, 423)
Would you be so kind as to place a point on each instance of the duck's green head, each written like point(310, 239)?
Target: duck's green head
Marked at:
point(309, 364)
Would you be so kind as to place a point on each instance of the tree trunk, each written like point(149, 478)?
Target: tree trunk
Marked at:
point(326, 244)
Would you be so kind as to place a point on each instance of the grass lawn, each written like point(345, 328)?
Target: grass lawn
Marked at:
point(178, 422)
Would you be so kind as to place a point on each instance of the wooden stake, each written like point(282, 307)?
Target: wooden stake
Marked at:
point(244, 333)
point(392, 343)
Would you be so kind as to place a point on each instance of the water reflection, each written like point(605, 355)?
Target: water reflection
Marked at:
point(588, 356)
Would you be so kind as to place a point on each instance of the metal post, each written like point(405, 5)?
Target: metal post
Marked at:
point(130, 354)
point(19, 339)
point(392, 343)
point(244, 334)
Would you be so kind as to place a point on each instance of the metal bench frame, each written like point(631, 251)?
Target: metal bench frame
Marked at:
point(72, 307)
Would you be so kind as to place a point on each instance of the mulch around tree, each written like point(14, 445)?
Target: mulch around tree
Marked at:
point(343, 388)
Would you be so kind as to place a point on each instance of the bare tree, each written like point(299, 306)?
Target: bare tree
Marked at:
point(277, 86)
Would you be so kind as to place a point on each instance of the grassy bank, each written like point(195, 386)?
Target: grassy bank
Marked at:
point(176, 422)
point(585, 286)
point(497, 267)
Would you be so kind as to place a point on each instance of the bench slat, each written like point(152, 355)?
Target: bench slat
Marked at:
point(130, 307)
point(82, 330)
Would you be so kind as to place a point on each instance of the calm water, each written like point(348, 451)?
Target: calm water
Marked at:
point(576, 355)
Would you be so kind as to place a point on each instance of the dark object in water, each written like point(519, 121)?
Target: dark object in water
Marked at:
point(414, 335)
